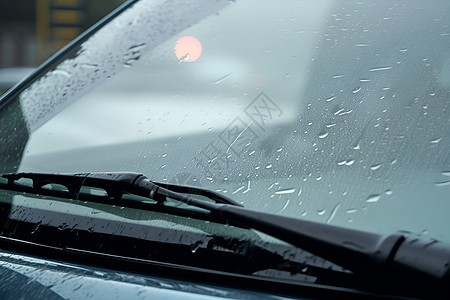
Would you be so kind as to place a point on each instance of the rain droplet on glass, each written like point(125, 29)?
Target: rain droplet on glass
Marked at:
point(375, 167)
point(373, 198)
point(285, 191)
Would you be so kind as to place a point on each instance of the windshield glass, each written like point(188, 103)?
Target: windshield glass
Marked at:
point(331, 111)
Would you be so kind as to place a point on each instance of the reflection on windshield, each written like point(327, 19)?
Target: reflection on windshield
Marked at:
point(317, 110)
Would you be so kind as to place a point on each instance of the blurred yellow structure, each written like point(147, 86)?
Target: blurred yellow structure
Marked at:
point(60, 21)
point(57, 23)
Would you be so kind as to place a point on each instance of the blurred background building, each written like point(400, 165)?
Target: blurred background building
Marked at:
point(32, 30)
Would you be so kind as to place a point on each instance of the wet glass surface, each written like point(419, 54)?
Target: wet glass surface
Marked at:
point(336, 111)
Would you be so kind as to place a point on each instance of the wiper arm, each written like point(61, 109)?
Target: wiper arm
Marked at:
point(397, 263)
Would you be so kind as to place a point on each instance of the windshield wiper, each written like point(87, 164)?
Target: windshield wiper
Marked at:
point(115, 184)
point(397, 264)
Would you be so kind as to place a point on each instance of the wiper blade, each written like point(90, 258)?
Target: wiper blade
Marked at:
point(116, 184)
point(397, 264)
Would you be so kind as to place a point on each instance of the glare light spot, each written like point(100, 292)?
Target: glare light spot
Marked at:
point(188, 49)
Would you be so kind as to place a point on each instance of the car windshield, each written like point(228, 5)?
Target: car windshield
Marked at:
point(330, 111)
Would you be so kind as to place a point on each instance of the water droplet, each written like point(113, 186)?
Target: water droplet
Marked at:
point(373, 198)
point(318, 178)
point(36, 227)
point(442, 183)
point(338, 76)
point(375, 167)
point(357, 147)
point(284, 206)
point(351, 211)
point(446, 173)
point(435, 141)
point(62, 72)
point(279, 149)
point(330, 125)
point(63, 226)
point(349, 162)
point(330, 99)
point(341, 113)
point(338, 112)
point(355, 90)
point(195, 246)
point(285, 191)
point(321, 212)
point(238, 190)
point(221, 79)
point(269, 166)
point(248, 188)
point(380, 69)
point(333, 213)
point(342, 162)
point(323, 135)
point(89, 66)
point(388, 192)
point(133, 54)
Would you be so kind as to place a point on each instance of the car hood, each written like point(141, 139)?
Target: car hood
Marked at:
point(47, 279)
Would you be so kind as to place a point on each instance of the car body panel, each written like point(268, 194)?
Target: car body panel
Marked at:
point(25, 275)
